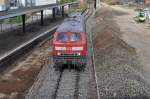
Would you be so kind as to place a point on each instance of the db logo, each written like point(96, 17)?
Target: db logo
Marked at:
point(69, 48)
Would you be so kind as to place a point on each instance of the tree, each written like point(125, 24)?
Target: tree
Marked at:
point(66, 1)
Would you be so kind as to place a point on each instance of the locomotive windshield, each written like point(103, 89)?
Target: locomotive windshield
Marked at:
point(69, 37)
point(75, 37)
point(63, 37)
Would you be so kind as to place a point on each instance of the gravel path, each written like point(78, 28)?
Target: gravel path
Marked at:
point(137, 36)
point(117, 63)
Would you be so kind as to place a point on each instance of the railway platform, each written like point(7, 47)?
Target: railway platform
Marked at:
point(28, 29)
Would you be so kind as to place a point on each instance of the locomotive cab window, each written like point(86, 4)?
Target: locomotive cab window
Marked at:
point(69, 37)
point(62, 37)
point(75, 37)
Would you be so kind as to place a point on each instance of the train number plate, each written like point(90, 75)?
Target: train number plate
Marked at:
point(69, 48)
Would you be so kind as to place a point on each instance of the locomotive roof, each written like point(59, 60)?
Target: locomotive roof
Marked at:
point(75, 23)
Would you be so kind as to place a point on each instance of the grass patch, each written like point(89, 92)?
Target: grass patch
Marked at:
point(17, 19)
point(65, 1)
point(113, 2)
point(81, 8)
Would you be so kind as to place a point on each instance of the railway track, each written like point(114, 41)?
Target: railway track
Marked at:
point(70, 83)
point(72, 90)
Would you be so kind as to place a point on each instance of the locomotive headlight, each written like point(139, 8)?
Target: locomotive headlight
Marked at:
point(58, 53)
point(79, 54)
point(77, 48)
point(60, 48)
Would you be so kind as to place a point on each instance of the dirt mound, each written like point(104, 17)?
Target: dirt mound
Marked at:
point(102, 40)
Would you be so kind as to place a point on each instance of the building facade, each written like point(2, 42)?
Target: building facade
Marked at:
point(4, 5)
point(14, 4)
point(147, 2)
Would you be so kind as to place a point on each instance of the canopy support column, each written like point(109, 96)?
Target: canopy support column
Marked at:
point(62, 11)
point(54, 13)
point(24, 23)
point(42, 19)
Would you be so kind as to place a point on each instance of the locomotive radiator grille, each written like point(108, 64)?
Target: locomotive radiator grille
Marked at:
point(70, 54)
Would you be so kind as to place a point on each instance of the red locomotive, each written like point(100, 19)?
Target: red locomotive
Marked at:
point(69, 43)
